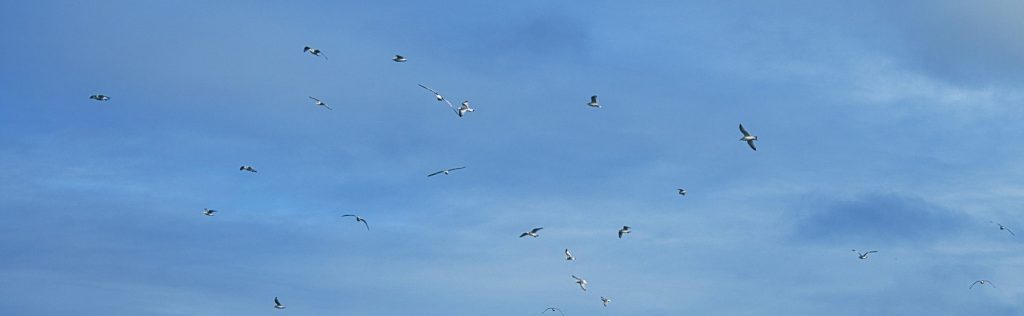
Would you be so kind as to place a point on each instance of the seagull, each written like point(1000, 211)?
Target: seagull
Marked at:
point(247, 168)
point(99, 97)
point(445, 171)
point(1001, 227)
point(748, 138)
point(682, 191)
point(399, 59)
point(605, 301)
point(277, 304)
point(863, 256)
point(314, 51)
point(358, 219)
point(553, 309)
point(581, 282)
point(439, 97)
point(568, 255)
point(208, 212)
point(624, 230)
point(531, 233)
point(982, 282)
point(593, 102)
point(321, 103)
point(464, 108)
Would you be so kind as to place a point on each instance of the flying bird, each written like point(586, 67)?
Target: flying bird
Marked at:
point(445, 171)
point(568, 255)
point(605, 301)
point(532, 232)
point(1001, 227)
point(247, 168)
point(982, 282)
point(439, 97)
point(864, 255)
point(748, 138)
point(399, 59)
point(682, 191)
point(208, 212)
point(277, 304)
point(99, 97)
point(593, 102)
point(314, 51)
point(581, 282)
point(320, 103)
point(559, 310)
point(464, 108)
point(624, 230)
point(359, 219)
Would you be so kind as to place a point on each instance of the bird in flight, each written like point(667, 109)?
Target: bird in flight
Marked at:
point(1001, 227)
point(593, 102)
point(568, 255)
point(559, 310)
point(982, 282)
point(445, 171)
point(624, 230)
point(682, 191)
point(99, 97)
point(581, 282)
point(314, 51)
point(605, 301)
point(247, 168)
point(208, 212)
point(399, 59)
point(464, 108)
point(277, 304)
point(320, 103)
point(359, 219)
point(532, 232)
point(863, 256)
point(439, 97)
point(748, 138)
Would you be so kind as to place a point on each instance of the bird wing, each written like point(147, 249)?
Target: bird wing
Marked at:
point(315, 99)
point(364, 222)
point(1011, 232)
point(524, 235)
point(435, 173)
point(328, 107)
point(276, 301)
point(744, 130)
point(429, 89)
point(973, 284)
point(593, 99)
point(306, 49)
point(575, 277)
point(453, 169)
point(535, 230)
point(751, 144)
point(620, 233)
point(873, 251)
point(347, 215)
point(450, 105)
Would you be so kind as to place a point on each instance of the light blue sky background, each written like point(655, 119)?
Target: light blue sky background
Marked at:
point(884, 126)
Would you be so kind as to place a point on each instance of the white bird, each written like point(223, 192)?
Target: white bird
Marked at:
point(358, 219)
point(568, 255)
point(605, 301)
point(277, 304)
point(748, 138)
point(532, 232)
point(863, 256)
point(982, 282)
point(445, 171)
point(581, 282)
point(314, 51)
point(399, 59)
point(593, 102)
point(559, 310)
point(320, 103)
point(247, 168)
point(682, 191)
point(99, 97)
point(464, 108)
point(208, 212)
point(1001, 227)
point(437, 96)
point(624, 230)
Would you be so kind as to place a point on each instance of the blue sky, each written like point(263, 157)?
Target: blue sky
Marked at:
point(883, 126)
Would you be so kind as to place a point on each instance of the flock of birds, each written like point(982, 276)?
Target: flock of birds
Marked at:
point(465, 108)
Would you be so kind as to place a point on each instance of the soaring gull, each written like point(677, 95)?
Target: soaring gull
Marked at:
point(208, 212)
point(464, 108)
point(532, 232)
point(624, 230)
point(593, 102)
point(445, 171)
point(568, 255)
point(247, 168)
point(320, 103)
point(864, 255)
point(358, 219)
point(748, 138)
point(982, 282)
point(581, 282)
point(99, 97)
point(277, 304)
point(682, 191)
point(399, 59)
point(605, 301)
point(1001, 227)
point(314, 51)
point(559, 310)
